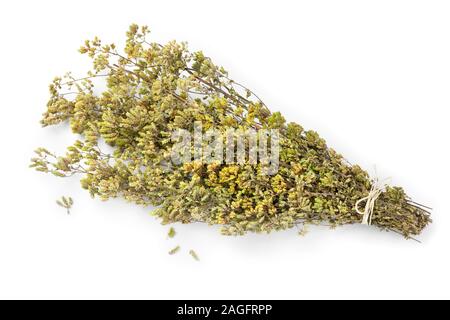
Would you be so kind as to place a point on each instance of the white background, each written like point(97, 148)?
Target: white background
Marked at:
point(372, 77)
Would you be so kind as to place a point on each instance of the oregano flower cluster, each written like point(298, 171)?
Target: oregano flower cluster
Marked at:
point(124, 111)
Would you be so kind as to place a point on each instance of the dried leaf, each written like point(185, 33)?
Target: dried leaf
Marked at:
point(171, 233)
point(174, 250)
point(194, 255)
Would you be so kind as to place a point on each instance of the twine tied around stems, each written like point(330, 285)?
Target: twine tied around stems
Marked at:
point(378, 187)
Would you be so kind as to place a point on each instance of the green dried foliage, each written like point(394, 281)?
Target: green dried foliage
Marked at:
point(65, 202)
point(153, 89)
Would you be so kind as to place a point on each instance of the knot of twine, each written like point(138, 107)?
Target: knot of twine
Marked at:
point(377, 189)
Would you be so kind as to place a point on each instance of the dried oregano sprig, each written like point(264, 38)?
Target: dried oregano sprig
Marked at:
point(65, 202)
point(152, 90)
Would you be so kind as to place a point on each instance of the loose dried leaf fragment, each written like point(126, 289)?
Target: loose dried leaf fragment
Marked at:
point(171, 233)
point(194, 255)
point(174, 250)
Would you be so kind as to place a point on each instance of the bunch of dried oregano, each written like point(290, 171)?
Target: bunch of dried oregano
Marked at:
point(153, 90)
